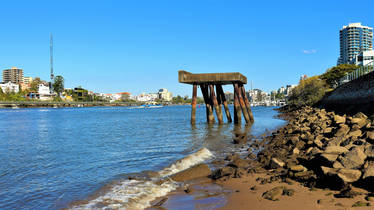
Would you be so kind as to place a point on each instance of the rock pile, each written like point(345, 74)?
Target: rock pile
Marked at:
point(321, 148)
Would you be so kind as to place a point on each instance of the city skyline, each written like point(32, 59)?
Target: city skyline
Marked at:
point(114, 52)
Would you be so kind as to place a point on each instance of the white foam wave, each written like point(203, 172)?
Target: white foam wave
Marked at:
point(186, 162)
point(137, 194)
point(130, 194)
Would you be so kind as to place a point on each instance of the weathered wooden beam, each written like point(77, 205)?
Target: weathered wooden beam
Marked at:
point(247, 104)
point(193, 104)
point(215, 104)
point(223, 100)
point(208, 103)
point(241, 102)
point(237, 110)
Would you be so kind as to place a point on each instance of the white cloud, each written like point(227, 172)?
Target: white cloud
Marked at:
point(309, 51)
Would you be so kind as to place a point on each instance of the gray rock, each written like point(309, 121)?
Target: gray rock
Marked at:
point(329, 158)
point(353, 159)
point(349, 175)
point(273, 194)
point(346, 175)
point(200, 170)
point(335, 150)
point(337, 165)
point(342, 131)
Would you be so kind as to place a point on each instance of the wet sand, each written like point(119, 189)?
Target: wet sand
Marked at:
point(245, 198)
point(236, 193)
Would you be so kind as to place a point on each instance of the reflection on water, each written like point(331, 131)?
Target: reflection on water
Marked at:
point(50, 157)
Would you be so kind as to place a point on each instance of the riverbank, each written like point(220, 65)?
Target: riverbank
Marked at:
point(318, 160)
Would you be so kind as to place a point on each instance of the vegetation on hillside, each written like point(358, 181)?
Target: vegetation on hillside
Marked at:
point(333, 75)
point(308, 92)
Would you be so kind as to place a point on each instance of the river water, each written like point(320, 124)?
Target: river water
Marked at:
point(50, 158)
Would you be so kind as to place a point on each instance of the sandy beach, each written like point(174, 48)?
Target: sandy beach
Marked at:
point(319, 160)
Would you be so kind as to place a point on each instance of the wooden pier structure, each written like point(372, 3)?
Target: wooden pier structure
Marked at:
point(215, 99)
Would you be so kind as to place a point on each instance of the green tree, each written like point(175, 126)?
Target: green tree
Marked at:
point(58, 84)
point(34, 84)
point(308, 92)
point(333, 75)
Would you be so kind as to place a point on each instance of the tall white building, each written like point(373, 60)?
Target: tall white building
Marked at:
point(165, 95)
point(354, 38)
point(9, 87)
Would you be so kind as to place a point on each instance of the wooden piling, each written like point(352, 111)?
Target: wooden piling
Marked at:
point(247, 104)
point(237, 110)
point(208, 103)
point(215, 104)
point(193, 104)
point(222, 97)
point(241, 102)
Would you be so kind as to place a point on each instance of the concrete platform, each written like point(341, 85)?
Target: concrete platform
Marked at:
point(211, 78)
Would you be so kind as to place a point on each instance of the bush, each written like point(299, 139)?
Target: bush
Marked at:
point(308, 92)
point(333, 75)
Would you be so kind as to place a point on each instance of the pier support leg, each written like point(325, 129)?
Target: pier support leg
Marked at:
point(193, 104)
point(247, 104)
point(237, 110)
point(241, 102)
point(215, 104)
point(222, 97)
point(208, 103)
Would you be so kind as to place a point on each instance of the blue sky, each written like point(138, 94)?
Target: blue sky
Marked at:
point(138, 46)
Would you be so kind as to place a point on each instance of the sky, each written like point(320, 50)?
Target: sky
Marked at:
point(139, 46)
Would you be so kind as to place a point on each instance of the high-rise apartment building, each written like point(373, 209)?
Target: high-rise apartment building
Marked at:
point(354, 38)
point(13, 75)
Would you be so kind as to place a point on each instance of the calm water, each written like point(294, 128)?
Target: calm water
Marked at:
point(51, 157)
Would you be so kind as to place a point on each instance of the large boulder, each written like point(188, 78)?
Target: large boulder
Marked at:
point(200, 170)
point(369, 151)
point(353, 159)
point(273, 194)
point(343, 174)
point(327, 158)
point(276, 163)
point(361, 122)
point(342, 131)
point(369, 171)
point(349, 175)
point(239, 163)
point(370, 136)
point(339, 119)
point(355, 134)
point(335, 150)
point(222, 172)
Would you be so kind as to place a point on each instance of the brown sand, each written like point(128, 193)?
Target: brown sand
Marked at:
point(245, 198)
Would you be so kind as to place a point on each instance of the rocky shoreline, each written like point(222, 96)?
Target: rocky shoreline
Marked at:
point(316, 149)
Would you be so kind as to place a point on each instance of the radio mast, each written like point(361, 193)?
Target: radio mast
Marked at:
point(51, 61)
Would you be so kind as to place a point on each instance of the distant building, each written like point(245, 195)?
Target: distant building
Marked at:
point(80, 94)
point(9, 87)
point(364, 58)
point(43, 91)
point(165, 95)
point(229, 96)
point(13, 75)
point(27, 80)
point(354, 38)
point(147, 97)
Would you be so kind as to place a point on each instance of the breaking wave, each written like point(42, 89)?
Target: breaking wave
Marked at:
point(137, 194)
